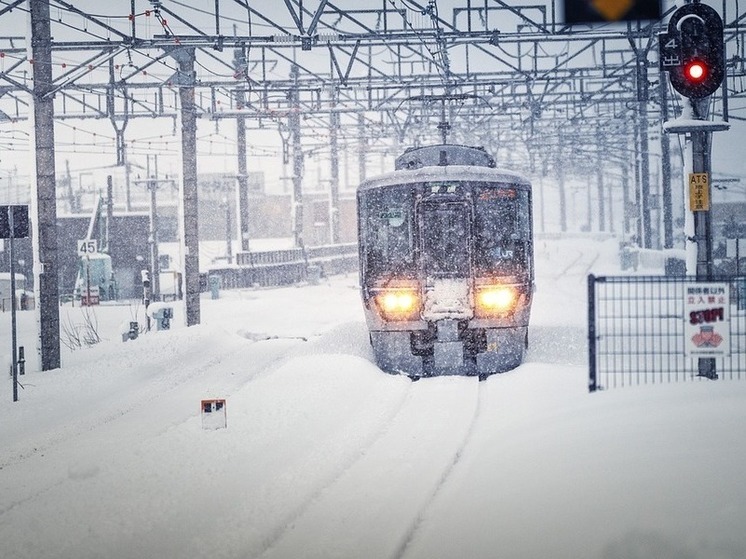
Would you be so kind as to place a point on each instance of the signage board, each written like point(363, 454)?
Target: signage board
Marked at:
point(20, 222)
point(707, 319)
point(669, 51)
point(87, 247)
point(214, 414)
point(90, 296)
point(699, 192)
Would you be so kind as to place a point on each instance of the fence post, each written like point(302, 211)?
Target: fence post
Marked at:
point(592, 384)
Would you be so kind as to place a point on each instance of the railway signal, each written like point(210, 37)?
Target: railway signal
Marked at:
point(693, 51)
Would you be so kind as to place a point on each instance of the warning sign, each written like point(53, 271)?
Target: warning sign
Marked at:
point(699, 192)
point(707, 320)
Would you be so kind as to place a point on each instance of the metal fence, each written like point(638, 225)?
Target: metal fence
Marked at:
point(283, 267)
point(659, 329)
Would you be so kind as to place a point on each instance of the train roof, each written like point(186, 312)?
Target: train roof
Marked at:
point(443, 154)
point(446, 172)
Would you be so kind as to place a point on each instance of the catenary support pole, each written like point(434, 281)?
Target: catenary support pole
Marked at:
point(189, 197)
point(643, 96)
point(153, 233)
point(600, 183)
point(362, 147)
point(560, 168)
point(334, 189)
point(239, 65)
point(666, 167)
point(295, 132)
point(45, 222)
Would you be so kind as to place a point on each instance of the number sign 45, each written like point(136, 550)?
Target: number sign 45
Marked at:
point(87, 247)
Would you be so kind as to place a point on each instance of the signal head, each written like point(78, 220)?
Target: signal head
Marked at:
point(693, 50)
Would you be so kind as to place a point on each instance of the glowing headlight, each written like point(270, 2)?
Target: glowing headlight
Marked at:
point(398, 304)
point(495, 300)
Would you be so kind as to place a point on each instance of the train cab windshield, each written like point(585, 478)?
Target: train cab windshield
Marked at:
point(389, 240)
point(486, 226)
point(502, 224)
point(445, 247)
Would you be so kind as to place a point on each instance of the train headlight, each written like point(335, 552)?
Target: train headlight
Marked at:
point(398, 304)
point(495, 300)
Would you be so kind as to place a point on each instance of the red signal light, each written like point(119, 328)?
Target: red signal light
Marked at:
point(693, 50)
point(695, 71)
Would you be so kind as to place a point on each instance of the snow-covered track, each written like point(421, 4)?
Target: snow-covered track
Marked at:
point(365, 507)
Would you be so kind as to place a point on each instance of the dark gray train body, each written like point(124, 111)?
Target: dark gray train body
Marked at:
point(446, 263)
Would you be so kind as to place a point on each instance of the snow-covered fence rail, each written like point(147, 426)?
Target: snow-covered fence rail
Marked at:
point(660, 329)
point(283, 267)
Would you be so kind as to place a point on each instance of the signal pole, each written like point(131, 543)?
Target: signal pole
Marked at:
point(14, 344)
point(692, 51)
point(13, 225)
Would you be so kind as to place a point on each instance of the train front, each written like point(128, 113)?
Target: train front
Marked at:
point(446, 264)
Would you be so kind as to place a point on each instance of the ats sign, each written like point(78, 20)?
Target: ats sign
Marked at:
point(707, 320)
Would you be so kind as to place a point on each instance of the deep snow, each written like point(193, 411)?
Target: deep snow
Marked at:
point(326, 456)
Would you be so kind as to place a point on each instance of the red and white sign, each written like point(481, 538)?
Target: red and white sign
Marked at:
point(90, 296)
point(707, 320)
point(214, 414)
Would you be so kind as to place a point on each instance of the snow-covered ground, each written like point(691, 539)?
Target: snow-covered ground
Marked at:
point(326, 456)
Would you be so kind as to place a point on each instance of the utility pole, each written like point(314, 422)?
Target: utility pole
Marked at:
point(643, 95)
point(239, 65)
point(228, 227)
point(334, 189)
point(560, 169)
point(666, 167)
point(119, 131)
point(153, 233)
point(152, 182)
point(626, 198)
point(105, 229)
point(600, 184)
point(295, 132)
point(189, 196)
point(45, 224)
point(362, 144)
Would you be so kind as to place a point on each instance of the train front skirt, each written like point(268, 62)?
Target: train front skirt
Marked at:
point(452, 352)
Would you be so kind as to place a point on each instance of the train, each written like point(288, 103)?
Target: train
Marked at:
point(446, 273)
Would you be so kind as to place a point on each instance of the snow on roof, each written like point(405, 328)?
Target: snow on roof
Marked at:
point(446, 172)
